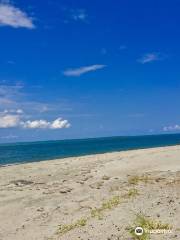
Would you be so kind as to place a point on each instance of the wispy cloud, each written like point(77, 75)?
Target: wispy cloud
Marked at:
point(171, 128)
point(17, 111)
point(122, 47)
point(150, 57)
point(10, 62)
point(103, 51)
point(76, 72)
point(10, 89)
point(14, 17)
point(79, 14)
point(136, 115)
point(15, 121)
point(16, 98)
point(9, 94)
point(10, 136)
point(75, 15)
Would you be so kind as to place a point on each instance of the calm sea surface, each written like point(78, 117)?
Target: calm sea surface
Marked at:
point(37, 151)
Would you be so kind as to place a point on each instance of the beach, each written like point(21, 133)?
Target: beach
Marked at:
point(94, 197)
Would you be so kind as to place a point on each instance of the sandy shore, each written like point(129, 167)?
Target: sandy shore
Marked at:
point(92, 197)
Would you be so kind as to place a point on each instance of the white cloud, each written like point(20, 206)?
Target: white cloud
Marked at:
point(59, 123)
point(19, 111)
point(56, 124)
point(35, 124)
point(8, 120)
point(14, 17)
point(76, 72)
point(171, 128)
point(150, 57)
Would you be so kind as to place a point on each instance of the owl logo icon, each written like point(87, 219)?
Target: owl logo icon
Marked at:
point(139, 231)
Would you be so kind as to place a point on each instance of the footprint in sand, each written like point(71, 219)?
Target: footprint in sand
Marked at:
point(97, 185)
point(105, 177)
point(21, 182)
point(65, 190)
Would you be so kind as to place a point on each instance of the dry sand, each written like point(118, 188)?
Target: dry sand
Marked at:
point(93, 197)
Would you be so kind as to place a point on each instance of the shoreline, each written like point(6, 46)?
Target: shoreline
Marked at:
point(40, 151)
point(91, 197)
point(86, 155)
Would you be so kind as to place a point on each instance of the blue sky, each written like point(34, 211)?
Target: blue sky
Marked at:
point(75, 69)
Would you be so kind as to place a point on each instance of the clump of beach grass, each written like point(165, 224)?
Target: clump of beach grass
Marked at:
point(68, 227)
point(109, 204)
point(146, 224)
point(132, 193)
point(98, 212)
point(134, 180)
point(112, 203)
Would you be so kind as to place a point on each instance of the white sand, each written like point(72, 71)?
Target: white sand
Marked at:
point(36, 198)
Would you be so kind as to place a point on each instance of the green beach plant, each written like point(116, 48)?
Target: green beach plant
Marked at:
point(109, 204)
point(147, 225)
point(68, 227)
point(134, 180)
point(112, 203)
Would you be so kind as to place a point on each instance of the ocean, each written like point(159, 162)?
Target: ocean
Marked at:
point(38, 151)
